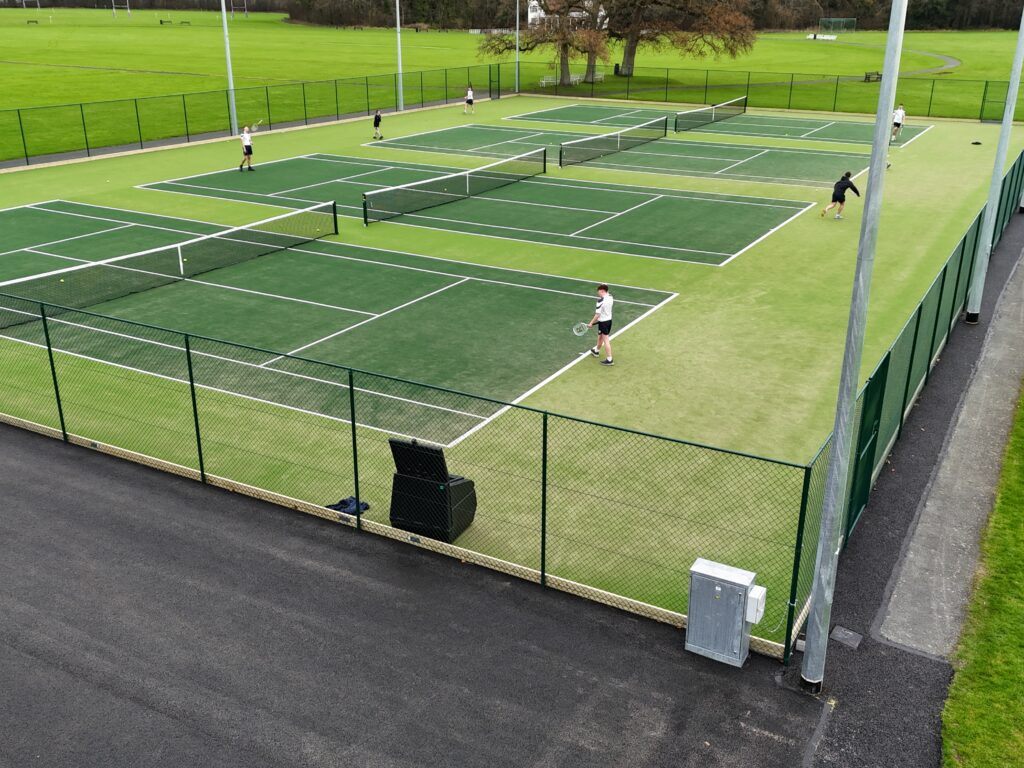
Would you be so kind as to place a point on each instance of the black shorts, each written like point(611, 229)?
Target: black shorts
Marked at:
point(838, 198)
point(247, 151)
point(604, 327)
point(469, 102)
point(897, 125)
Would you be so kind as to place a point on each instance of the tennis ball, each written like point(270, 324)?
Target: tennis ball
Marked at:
point(62, 279)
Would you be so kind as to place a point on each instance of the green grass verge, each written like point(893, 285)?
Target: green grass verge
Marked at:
point(983, 723)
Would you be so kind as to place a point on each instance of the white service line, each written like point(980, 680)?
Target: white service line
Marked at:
point(777, 227)
point(744, 160)
point(332, 181)
point(583, 356)
point(820, 128)
point(915, 138)
point(67, 239)
point(615, 216)
point(514, 140)
point(364, 322)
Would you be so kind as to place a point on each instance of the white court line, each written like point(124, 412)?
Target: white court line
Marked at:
point(766, 234)
point(67, 239)
point(616, 215)
point(915, 138)
point(618, 115)
point(822, 128)
point(28, 205)
point(555, 109)
point(331, 181)
point(601, 163)
point(514, 140)
point(556, 374)
point(744, 160)
point(364, 322)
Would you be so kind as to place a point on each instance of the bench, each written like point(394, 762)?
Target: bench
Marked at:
point(186, 23)
point(872, 77)
point(165, 21)
point(548, 80)
point(32, 21)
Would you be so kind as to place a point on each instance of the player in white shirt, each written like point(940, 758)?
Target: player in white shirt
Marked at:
point(603, 318)
point(246, 138)
point(468, 108)
point(898, 118)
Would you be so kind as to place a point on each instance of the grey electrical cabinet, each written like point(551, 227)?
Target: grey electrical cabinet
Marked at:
point(724, 604)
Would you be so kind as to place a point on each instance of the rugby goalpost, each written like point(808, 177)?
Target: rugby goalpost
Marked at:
point(115, 6)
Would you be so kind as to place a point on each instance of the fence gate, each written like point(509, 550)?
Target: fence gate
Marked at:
point(993, 101)
point(494, 78)
point(867, 442)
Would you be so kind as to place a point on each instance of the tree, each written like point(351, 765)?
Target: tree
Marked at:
point(569, 28)
point(695, 28)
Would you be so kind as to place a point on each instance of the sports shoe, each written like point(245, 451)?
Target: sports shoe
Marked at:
point(607, 361)
point(595, 352)
point(838, 217)
point(241, 167)
point(251, 168)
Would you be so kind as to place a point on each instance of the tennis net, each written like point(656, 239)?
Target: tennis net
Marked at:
point(593, 147)
point(698, 118)
point(91, 283)
point(382, 204)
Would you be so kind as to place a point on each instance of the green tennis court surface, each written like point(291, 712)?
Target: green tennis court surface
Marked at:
point(632, 220)
point(415, 317)
point(668, 156)
point(749, 124)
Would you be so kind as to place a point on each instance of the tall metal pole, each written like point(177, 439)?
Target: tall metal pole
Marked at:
point(988, 222)
point(812, 671)
point(398, 42)
point(517, 46)
point(231, 77)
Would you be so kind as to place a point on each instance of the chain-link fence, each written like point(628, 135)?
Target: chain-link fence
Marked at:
point(39, 134)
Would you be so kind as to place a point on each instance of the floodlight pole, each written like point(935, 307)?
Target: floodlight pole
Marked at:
point(988, 222)
point(517, 46)
point(812, 671)
point(400, 103)
point(231, 77)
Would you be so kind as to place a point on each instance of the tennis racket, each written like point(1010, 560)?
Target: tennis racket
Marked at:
point(580, 329)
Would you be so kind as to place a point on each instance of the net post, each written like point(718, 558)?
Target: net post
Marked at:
point(24, 145)
point(366, 212)
point(355, 446)
point(195, 408)
point(798, 546)
point(181, 260)
point(334, 215)
point(138, 122)
point(53, 371)
point(544, 499)
point(544, 159)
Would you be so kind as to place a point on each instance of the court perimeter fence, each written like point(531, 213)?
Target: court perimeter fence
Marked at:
point(41, 134)
point(305, 434)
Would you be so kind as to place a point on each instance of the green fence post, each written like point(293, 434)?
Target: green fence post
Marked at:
point(24, 145)
point(544, 499)
point(446, 85)
point(931, 97)
point(266, 98)
point(984, 98)
point(227, 114)
point(423, 101)
point(953, 311)
point(707, 76)
point(53, 371)
point(85, 131)
point(628, 78)
point(935, 325)
point(835, 98)
point(195, 408)
point(910, 371)
point(305, 109)
point(798, 546)
point(337, 103)
point(747, 91)
point(789, 104)
point(366, 80)
point(355, 449)
point(184, 114)
point(666, 84)
point(138, 122)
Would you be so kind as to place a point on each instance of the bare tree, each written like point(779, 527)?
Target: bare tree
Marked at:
point(696, 28)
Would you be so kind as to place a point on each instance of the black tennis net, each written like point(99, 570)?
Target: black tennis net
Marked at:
point(382, 204)
point(90, 283)
point(593, 147)
point(698, 118)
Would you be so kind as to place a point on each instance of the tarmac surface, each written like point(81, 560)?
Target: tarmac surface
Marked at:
point(148, 620)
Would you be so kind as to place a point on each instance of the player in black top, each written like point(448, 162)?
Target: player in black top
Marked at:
point(839, 194)
point(376, 125)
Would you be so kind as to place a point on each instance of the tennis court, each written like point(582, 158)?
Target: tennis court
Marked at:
point(746, 124)
point(400, 314)
point(818, 168)
point(599, 216)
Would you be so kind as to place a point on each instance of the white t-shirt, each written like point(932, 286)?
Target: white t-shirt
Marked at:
point(246, 139)
point(604, 308)
point(469, 94)
point(899, 115)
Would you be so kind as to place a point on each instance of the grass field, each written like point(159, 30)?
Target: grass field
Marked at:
point(80, 54)
point(982, 722)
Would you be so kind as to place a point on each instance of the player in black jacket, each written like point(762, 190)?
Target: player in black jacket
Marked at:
point(839, 194)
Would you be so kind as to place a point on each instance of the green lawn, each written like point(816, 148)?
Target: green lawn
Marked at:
point(983, 723)
point(77, 55)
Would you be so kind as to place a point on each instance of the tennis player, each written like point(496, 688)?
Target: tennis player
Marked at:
point(839, 194)
point(376, 125)
point(603, 318)
point(898, 118)
point(469, 108)
point(246, 138)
